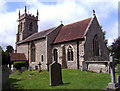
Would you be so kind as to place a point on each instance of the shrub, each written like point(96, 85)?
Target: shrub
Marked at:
point(19, 64)
point(5, 58)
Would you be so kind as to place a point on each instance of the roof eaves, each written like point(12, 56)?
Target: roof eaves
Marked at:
point(88, 26)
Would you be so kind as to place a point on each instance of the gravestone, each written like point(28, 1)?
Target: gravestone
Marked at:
point(48, 66)
point(84, 66)
point(30, 68)
point(39, 67)
point(36, 67)
point(55, 74)
point(23, 69)
point(14, 70)
point(112, 86)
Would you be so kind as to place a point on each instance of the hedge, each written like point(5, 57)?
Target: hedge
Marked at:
point(19, 64)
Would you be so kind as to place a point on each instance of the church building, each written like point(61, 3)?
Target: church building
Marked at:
point(79, 45)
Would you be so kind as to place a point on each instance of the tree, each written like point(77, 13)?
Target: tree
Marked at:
point(116, 49)
point(9, 49)
point(104, 33)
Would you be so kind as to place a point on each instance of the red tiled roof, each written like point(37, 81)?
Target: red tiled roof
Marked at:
point(18, 57)
point(72, 31)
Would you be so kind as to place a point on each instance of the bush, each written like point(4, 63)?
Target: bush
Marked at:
point(19, 64)
point(5, 58)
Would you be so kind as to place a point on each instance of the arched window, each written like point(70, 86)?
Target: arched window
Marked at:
point(32, 52)
point(30, 27)
point(55, 55)
point(95, 46)
point(41, 58)
point(70, 53)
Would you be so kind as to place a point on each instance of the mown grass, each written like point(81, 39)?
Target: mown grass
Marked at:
point(72, 79)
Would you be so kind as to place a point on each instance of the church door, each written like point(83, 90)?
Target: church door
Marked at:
point(55, 55)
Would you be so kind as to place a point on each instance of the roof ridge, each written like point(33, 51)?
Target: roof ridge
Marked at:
point(37, 33)
point(45, 29)
point(78, 21)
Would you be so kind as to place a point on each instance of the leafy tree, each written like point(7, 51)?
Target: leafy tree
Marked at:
point(5, 54)
point(116, 49)
point(9, 49)
point(104, 33)
point(5, 58)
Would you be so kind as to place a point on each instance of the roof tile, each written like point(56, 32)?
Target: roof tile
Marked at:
point(18, 57)
point(72, 31)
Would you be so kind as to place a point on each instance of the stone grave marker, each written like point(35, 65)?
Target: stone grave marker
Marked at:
point(55, 74)
point(84, 66)
point(14, 70)
point(112, 86)
point(30, 68)
point(23, 69)
point(112, 69)
point(36, 67)
point(39, 67)
point(47, 66)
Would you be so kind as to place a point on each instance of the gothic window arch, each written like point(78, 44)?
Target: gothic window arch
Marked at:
point(96, 46)
point(70, 53)
point(30, 26)
point(32, 52)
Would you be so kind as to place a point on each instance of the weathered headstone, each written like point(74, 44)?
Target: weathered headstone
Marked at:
point(112, 84)
point(30, 68)
point(47, 66)
point(36, 67)
point(55, 74)
point(84, 66)
point(23, 69)
point(39, 67)
point(14, 70)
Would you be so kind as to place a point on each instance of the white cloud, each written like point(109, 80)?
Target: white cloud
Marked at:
point(50, 15)
point(112, 32)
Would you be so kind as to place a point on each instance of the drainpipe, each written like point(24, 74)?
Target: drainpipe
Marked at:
point(28, 52)
point(77, 54)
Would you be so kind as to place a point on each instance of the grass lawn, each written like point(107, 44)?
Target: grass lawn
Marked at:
point(72, 79)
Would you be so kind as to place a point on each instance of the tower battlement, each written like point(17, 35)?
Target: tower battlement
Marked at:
point(28, 25)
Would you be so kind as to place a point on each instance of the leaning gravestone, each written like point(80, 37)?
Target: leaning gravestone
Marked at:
point(55, 74)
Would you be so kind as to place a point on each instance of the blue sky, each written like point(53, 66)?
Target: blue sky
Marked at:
point(51, 13)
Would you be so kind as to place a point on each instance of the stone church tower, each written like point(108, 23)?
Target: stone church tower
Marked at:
point(27, 25)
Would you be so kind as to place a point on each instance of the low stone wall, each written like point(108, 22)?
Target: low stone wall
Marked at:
point(96, 66)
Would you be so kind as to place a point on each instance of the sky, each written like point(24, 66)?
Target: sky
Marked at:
point(51, 12)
